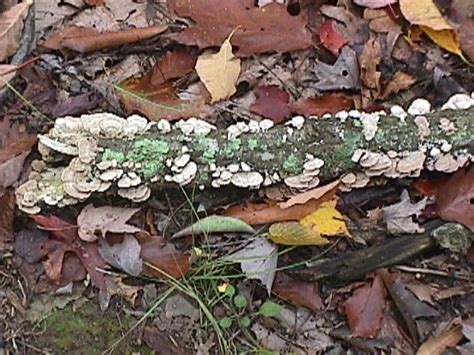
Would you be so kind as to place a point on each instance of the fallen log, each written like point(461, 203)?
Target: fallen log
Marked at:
point(106, 154)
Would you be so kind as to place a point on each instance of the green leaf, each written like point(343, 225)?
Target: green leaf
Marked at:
point(216, 224)
point(245, 321)
point(225, 322)
point(230, 291)
point(270, 309)
point(240, 301)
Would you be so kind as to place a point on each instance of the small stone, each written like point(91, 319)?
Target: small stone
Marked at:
point(419, 107)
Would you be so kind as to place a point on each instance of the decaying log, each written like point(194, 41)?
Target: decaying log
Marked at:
point(102, 153)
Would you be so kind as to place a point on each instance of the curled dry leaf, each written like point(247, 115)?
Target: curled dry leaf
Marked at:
point(11, 27)
point(86, 40)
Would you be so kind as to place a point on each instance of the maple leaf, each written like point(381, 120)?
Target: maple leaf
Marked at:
point(271, 103)
point(104, 219)
point(330, 38)
point(219, 71)
point(263, 29)
point(365, 309)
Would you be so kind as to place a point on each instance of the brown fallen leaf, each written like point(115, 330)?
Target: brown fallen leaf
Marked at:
point(17, 147)
point(262, 29)
point(297, 292)
point(11, 27)
point(454, 198)
point(86, 40)
point(271, 103)
point(438, 344)
point(163, 256)
point(370, 75)
point(173, 65)
point(365, 309)
point(318, 106)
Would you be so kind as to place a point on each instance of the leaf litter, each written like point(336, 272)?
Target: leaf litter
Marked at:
point(366, 57)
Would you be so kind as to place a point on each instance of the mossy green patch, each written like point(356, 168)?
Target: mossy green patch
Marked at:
point(152, 169)
point(86, 330)
point(148, 150)
point(252, 143)
point(208, 147)
point(232, 147)
point(293, 164)
point(110, 154)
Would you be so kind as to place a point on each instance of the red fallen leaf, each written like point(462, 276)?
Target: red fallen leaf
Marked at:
point(163, 256)
point(318, 106)
point(267, 29)
point(272, 103)
point(162, 101)
point(332, 39)
point(300, 293)
point(455, 198)
point(173, 65)
point(85, 40)
point(87, 252)
point(7, 215)
point(365, 309)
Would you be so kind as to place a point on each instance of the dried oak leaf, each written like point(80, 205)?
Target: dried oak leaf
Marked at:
point(318, 106)
point(365, 309)
point(268, 29)
point(104, 219)
point(271, 103)
point(455, 198)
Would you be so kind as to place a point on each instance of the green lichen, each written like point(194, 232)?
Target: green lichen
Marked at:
point(148, 150)
point(110, 154)
point(208, 148)
point(293, 165)
point(232, 147)
point(252, 143)
point(152, 169)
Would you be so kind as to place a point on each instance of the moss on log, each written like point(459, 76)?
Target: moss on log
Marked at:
point(104, 153)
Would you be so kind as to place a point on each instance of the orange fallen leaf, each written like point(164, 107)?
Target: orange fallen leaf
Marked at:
point(315, 194)
point(318, 106)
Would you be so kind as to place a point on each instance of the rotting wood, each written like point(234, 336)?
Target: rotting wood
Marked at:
point(104, 153)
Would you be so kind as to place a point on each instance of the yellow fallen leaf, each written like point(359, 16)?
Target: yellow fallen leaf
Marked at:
point(446, 39)
point(326, 220)
point(219, 71)
point(425, 13)
point(293, 233)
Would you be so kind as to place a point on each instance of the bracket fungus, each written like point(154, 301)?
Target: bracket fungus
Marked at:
point(103, 153)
